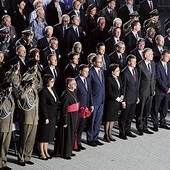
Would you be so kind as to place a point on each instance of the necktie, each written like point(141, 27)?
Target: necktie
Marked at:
point(100, 74)
point(136, 35)
point(64, 30)
point(55, 73)
point(165, 67)
point(134, 74)
point(121, 61)
point(149, 69)
point(77, 32)
point(151, 5)
point(85, 83)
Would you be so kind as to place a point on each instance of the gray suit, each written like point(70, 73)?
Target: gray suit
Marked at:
point(146, 93)
point(7, 105)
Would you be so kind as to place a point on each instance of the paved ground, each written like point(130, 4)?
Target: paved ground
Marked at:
point(148, 152)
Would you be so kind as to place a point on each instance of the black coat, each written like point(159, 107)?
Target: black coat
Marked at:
point(136, 53)
point(42, 43)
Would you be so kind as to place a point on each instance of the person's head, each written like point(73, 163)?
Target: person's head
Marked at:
point(120, 47)
point(29, 83)
point(136, 26)
point(52, 60)
point(116, 31)
point(159, 40)
point(48, 80)
point(154, 15)
point(73, 57)
point(131, 60)
point(75, 20)
point(65, 19)
point(77, 47)
point(48, 31)
point(84, 70)
point(165, 56)
point(90, 58)
point(150, 32)
point(117, 22)
point(37, 4)
point(91, 10)
point(53, 43)
point(21, 51)
point(34, 54)
point(129, 2)
point(76, 5)
point(134, 16)
point(114, 70)
point(6, 20)
point(40, 13)
point(148, 54)
point(97, 61)
point(71, 84)
point(111, 4)
point(1, 56)
point(101, 21)
point(100, 48)
point(21, 4)
point(28, 35)
point(140, 44)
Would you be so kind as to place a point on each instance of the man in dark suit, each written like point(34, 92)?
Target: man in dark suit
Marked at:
point(110, 42)
point(109, 13)
point(84, 95)
point(150, 38)
point(130, 83)
point(125, 10)
point(159, 47)
point(56, 9)
point(138, 51)
point(161, 99)
point(78, 12)
point(53, 70)
point(167, 39)
point(44, 42)
point(146, 91)
point(132, 37)
point(73, 33)
point(98, 95)
point(119, 56)
point(51, 49)
point(145, 7)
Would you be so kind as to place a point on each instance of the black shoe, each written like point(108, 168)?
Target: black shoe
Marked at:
point(73, 154)
point(6, 168)
point(81, 147)
point(106, 138)
point(165, 127)
point(112, 139)
point(77, 150)
point(131, 135)
point(29, 162)
point(43, 158)
point(155, 128)
point(97, 142)
point(21, 163)
point(67, 157)
point(49, 157)
point(91, 143)
point(140, 132)
point(147, 131)
point(122, 136)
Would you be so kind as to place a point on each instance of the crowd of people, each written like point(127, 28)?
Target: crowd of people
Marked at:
point(66, 66)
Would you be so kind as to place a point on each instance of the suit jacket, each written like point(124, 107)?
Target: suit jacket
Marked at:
point(130, 86)
point(149, 44)
point(157, 54)
point(71, 37)
point(147, 83)
point(130, 41)
point(144, 10)
point(109, 17)
point(98, 87)
point(114, 58)
point(136, 53)
point(52, 11)
point(42, 43)
point(84, 95)
point(167, 42)
point(123, 13)
point(45, 53)
point(162, 79)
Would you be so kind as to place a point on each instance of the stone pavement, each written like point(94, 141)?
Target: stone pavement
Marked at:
point(147, 152)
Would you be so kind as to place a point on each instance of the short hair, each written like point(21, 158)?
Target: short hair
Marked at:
point(36, 2)
point(131, 56)
point(149, 30)
point(71, 55)
point(82, 66)
point(52, 39)
point(117, 45)
point(157, 37)
point(18, 47)
point(99, 45)
point(47, 27)
point(91, 55)
point(134, 23)
point(50, 56)
point(117, 21)
point(95, 58)
point(114, 30)
point(33, 52)
point(46, 79)
point(145, 51)
point(165, 52)
point(65, 15)
point(73, 16)
point(113, 67)
point(140, 40)
point(100, 18)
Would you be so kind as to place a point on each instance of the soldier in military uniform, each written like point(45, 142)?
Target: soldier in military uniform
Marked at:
point(127, 26)
point(153, 22)
point(28, 104)
point(7, 106)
